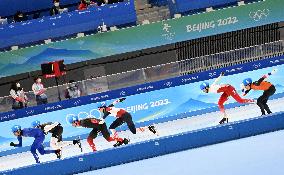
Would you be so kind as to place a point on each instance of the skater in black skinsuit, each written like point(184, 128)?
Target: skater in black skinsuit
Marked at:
point(122, 116)
point(97, 126)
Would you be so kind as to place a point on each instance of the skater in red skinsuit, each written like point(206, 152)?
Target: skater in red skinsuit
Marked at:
point(97, 126)
point(227, 90)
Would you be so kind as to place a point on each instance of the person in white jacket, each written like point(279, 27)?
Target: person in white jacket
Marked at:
point(39, 91)
point(20, 100)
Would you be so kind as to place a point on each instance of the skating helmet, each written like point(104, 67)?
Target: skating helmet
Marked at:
point(72, 118)
point(204, 85)
point(16, 128)
point(247, 81)
point(35, 124)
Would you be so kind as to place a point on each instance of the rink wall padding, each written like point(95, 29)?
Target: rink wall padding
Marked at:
point(156, 147)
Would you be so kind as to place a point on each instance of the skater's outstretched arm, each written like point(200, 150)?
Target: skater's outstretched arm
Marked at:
point(245, 92)
point(116, 101)
point(218, 79)
point(265, 76)
point(19, 144)
point(105, 114)
point(49, 126)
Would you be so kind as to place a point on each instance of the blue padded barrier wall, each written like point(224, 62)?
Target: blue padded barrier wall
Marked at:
point(157, 147)
point(158, 2)
point(67, 23)
point(182, 6)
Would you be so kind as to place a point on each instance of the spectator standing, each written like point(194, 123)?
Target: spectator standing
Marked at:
point(72, 91)
point(56, 9)
point(83, 5)
point(20, 100)
point(39, 91)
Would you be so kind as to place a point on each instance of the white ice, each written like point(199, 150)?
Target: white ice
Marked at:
point(261, 155)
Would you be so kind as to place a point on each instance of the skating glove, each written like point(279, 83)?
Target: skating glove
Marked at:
point(242, 87)
point(12, 144)
point(273, 72)
point(102, 121)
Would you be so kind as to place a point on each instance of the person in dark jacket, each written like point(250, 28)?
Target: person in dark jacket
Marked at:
point(20, 17)
point(55, 9)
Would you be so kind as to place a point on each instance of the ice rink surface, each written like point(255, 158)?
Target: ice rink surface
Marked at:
point(261, 155)
point(166, 129)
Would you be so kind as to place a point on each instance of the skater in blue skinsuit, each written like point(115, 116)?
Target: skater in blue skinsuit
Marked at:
point(37, 144)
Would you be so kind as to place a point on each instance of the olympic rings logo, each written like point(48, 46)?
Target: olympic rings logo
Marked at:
point(93, 113)
point(259, 15)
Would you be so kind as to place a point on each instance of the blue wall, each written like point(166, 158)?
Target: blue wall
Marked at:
point(182, 6)
point(67, 23)
point(157, 147)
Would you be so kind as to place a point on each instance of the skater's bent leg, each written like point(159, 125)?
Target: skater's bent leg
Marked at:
point(267, 94)
point(265, 106)
point(127, 118)
point(35, 155)
point(42, 151)
point(115, 124)
point(106, 134)
point(54, 143)
point(131, 127)
point(58, 133)
point(222, 100)
point(93, 134)
point(260, 103)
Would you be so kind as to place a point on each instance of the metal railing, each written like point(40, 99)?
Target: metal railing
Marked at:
point(160, 72)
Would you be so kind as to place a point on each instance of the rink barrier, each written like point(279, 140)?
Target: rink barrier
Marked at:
point(146, 123)
point(156, 147)
point(143, 88)
point(183, 6)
